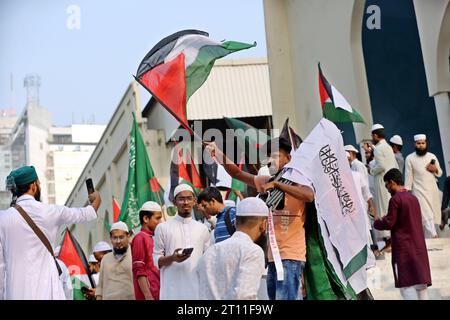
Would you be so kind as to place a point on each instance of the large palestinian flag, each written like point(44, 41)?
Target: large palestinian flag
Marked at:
point(334, 106)
point(73, 257)
point(178, 65)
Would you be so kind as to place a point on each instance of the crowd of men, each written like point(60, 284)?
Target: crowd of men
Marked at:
point(225, 255)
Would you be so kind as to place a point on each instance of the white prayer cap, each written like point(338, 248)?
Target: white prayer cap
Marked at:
point(229, 203)
point(57, 250)
point(377, 126)
point(397, 140)
point(151, 206)
point(92, 259)
point(347, 154)
point(418, 137)
point(182, 187)
point(120, 225)
point(264, 171)
point(252, 207)
point(102, 246)
point(349, 147)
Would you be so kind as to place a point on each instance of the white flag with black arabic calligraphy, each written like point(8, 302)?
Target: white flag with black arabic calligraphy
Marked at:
point(321, 163)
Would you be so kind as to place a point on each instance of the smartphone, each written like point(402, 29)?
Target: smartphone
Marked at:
point(187, 251)
point(433, 161)
point(90, 186)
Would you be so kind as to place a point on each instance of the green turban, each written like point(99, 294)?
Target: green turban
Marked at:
point(22, 176)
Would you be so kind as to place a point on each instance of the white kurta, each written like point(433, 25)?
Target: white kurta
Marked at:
point(384, 161)
point(66, 281)
point(179, 281)
point(231, 269)
point(27, 269)
point(422, 184)
point(360, 167)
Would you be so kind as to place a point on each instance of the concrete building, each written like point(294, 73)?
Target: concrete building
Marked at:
point(58, 153)
point(390, 59)
point(7, 120)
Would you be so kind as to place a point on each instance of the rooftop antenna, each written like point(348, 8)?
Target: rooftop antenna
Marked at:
point(32, 83)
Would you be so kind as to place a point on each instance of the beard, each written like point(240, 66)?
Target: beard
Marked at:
point(120, 251)
point(262, 241)
point(37, 196)
point(421, 152)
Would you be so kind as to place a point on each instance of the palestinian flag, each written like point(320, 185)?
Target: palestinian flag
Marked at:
point(178, 65)
point(142, 185)
point(289, 134)
point(182, 170)
point(334, 106)
point(73, 257)
point(116, 209)
point(249, 138)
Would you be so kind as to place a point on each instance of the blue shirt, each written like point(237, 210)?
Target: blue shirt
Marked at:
point(221, 231)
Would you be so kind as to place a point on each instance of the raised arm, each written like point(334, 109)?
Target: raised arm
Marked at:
point(230, 167)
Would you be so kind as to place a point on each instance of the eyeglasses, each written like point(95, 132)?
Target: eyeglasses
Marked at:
point(118, 239)
point(185, 199)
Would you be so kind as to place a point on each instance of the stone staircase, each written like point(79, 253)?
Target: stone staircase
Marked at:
point(381, 278)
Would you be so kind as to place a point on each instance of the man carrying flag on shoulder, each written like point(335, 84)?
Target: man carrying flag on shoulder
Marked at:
point(288, 220)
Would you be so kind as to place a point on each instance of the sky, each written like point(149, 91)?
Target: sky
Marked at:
point(86, 51)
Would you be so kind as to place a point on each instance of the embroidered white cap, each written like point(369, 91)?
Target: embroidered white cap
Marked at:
point(120, 225)
point(397, 140)
point(350, 147)
point(92, 259)
point(418, 137)
point(377, 126)
point(151, 206)
point(252, 207)
point(182, 187)
point(102, 246)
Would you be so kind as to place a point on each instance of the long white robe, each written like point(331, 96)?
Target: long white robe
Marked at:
point(179, 281)
point(422, 184)
point(27, 269)
point(358, 166)
point(384, 161)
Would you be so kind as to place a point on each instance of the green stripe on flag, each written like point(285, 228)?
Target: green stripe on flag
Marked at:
point(198, 71)
point(334, 114)
point(356, 263)
point(321, 281)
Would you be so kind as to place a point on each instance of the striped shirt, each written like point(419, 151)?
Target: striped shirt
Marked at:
point(221, 231)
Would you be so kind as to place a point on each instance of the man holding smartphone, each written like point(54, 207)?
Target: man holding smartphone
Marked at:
point(178, 246)
point(28, 231)
point(421, 171)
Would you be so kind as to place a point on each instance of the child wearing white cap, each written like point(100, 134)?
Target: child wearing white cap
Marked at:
point(145, 273)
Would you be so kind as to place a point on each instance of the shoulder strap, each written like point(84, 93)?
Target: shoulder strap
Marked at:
point(39, 234)
point(231, 229)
